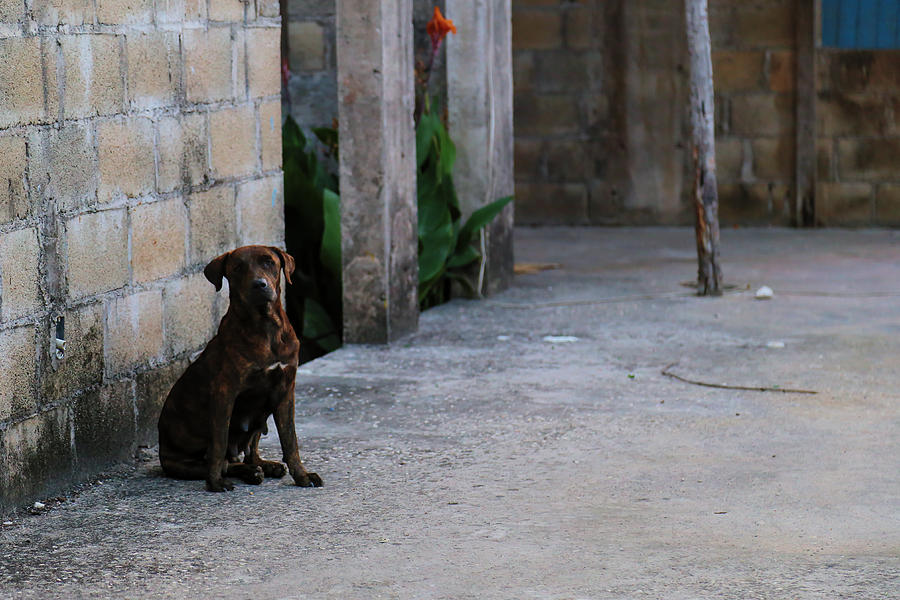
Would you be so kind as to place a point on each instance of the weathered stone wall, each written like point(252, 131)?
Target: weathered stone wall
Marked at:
point(138, 140)
point(858, 146)
point(599, 97)
point(753, 67)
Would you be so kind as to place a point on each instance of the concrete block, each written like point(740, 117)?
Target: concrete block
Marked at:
point(306, 46)
point(523, 70)
point(868, 159)
point(82, 366)
point(113, 12)
point(270, 8)
point(125, 158)
point(17, 363)
point(755, 204)
point(158, 233)
point(528, 157)
point(183, 150)
point(551, 203)
point(208, 64)
point(857, 71)
point(270, 134)
point(561, 71)
point(21, 82)
point(232, 135)
point(311, 8)
point(11, 11)
point(152, 389)
point(762, 114)
point(14, 202)
point(737, 70)
point(536, 30)
point(213, 223)
point(825, 167)
point(781, 70)
point(845, 204)
point(36, 455)
point(153, 68)
point(729, 159)
point(580, 30)
point(264, 61)
point(20, 294)
point(104, 426)
point(178, 11)
point(840, 114)
point(314, 97)
point(260, 210)
point(189, 309)
point(94, 82)
point(96, 252)
point(537, 114)
point(887, 205)
point(230, 11)
point(134, 331)
point(774, 158)
point(63, 165)
point(59, 12)
point(764, 24)
point(567, 160)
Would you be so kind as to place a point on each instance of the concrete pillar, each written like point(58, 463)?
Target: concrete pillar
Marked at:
point(377, 169)
point(480, 114)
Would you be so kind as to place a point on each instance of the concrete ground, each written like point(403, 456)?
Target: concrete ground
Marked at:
point(480, 458)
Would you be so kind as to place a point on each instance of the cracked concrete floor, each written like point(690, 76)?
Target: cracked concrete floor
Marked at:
point(474, 459)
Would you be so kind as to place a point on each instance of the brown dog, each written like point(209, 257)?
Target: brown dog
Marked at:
point(219, 407)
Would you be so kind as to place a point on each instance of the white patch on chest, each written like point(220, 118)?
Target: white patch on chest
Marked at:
point(276, 365)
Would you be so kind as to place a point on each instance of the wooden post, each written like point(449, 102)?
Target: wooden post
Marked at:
point(807, 21)
point(703, 148)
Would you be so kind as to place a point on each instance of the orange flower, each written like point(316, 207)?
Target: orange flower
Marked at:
point(438, 28)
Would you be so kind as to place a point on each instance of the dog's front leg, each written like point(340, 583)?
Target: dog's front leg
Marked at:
point(287, 435)
point(220, 418)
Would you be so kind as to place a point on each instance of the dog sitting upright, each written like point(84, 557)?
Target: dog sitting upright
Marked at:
point(218, 408)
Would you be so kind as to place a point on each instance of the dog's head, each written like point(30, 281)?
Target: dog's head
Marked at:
point(253, 273)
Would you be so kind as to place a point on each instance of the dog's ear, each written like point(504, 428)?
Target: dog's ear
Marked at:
point(215, 270)
point(287, 263)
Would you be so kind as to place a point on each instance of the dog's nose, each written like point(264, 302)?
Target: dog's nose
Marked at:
point(260, 284)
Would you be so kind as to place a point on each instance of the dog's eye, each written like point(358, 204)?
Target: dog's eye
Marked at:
point(268, 262)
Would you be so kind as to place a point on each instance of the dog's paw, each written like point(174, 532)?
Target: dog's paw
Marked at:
point(274, 469)
point(221, 485)
point(254, 477)
point(308, 480)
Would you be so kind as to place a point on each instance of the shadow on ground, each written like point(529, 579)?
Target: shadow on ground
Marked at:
point(475, 459)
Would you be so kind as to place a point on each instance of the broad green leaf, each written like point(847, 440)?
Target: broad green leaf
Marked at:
point(447, 150)
point(331, 235)
point(318, 326)
point(424, 137)
point(463, 257)
point(436, 246)
point(479, 219)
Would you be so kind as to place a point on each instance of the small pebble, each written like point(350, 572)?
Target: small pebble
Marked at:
point(764, 293)
point(39, 505)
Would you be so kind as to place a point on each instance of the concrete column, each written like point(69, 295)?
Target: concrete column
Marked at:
point(377, 169)
point(480, 114)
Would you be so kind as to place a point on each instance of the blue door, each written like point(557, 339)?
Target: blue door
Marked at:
point(864, 24)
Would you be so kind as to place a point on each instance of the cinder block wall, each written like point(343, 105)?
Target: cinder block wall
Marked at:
point(138, 140)
point(753, 65)
point(858, 146)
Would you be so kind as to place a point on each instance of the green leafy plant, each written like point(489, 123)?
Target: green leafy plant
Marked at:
point(446, 246)
point(313, 237)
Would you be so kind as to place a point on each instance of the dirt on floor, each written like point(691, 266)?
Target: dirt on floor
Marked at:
point(547, 444)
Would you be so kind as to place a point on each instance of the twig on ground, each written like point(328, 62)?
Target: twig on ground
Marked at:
point(666, 371)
